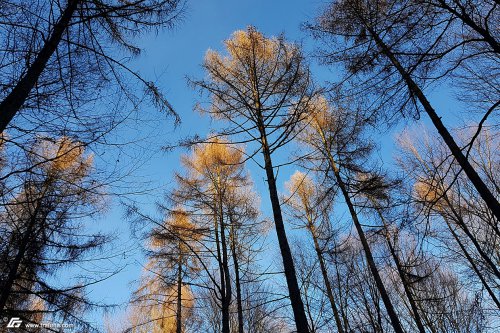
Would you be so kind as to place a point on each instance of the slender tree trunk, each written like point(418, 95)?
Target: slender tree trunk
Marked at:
point(222, 288)
point(473, 264)
point(396, 324)
point(324, 273)
point(178, 317)
point(401, 272)
point(288, 265)
point(478, 183)
point(17, 97)
point(226, 301)
point(236, 276)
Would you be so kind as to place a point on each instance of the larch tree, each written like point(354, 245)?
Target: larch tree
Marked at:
point(218, 192)
point(261, 89)
point(311, 205)
point(393, 48)
point(41, 232)
point(336, 136)
point(164, 297)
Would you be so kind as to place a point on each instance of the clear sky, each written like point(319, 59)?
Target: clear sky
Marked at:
point(168, 57)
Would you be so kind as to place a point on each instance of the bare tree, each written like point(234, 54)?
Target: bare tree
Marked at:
point(442, 193)
point(310, 204)
point(336, 138)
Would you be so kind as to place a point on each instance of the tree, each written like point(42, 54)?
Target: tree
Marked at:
point(336, 138)
point(386, 42)
point(218, 193)
point(173, 263)
point(62, 55)
point(261, 89)
point(41, 233)
point(443, 194)
point(310, 205)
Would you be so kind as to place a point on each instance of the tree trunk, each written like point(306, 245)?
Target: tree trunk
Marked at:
point(289, 268)
point(178, 315)
point(478, 183)
point(326, 280)
point(236, 276)
point(222, 288)
point(226, 301)
point(17, 97)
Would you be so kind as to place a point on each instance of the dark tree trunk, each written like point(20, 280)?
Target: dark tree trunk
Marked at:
point(478, 183)
point(222, 288)
point(226, 300)
point(17, 97)
point(288, 265)
point(236, 277)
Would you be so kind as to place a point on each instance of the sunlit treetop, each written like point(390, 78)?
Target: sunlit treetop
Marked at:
point(216, 160)
point(301, 186)
point(65, 158)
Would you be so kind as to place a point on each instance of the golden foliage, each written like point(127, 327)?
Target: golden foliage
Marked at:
point(301, 185)
point(158, 313)
point(431, 192)
point(65, 157)
point(243, 47)
point(217, 160)
point(179, 230)
point(319, 113)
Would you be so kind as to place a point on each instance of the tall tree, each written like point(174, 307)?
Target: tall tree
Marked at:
point(310, 204)
point(261, 89)
point(164, 297)
point(216, 188)
point(386, 42)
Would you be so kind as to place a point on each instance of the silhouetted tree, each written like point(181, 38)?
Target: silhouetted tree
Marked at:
point(337, 139)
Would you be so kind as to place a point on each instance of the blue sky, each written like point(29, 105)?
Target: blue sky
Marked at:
point(168, 57)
